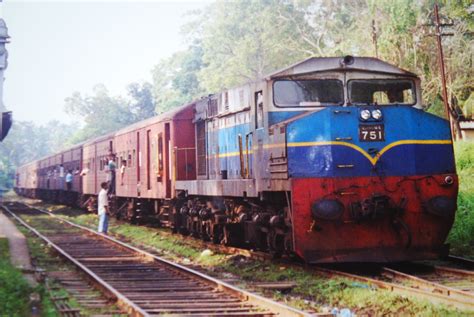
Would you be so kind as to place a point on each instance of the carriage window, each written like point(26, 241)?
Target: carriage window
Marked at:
point(308, 93)
point(382, 91)
point(258, 109)
point(159, 176)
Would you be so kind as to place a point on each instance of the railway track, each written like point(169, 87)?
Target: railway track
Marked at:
point(453, 286)
point(143, 284)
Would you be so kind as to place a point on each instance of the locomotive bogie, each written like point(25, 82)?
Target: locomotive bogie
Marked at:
point(263, 225)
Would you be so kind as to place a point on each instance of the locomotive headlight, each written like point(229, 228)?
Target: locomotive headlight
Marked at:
point(449, 180)
point(377, 114)
point(365, 114)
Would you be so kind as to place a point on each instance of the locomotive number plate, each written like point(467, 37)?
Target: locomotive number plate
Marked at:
point(371, 133)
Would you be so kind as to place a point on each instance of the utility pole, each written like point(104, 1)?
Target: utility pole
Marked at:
point(374, 38)
point(439, 35)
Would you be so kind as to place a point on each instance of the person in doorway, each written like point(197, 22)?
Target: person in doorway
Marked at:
point(69, 179)
point(48, 176)
point(103, 209)
point(122, 171)
point(61, 177)
point(111, 167)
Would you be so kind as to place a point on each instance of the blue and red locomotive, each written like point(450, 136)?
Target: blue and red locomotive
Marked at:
point(332, 159)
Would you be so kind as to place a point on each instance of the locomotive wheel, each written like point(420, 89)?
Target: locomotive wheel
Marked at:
point(217, 234)
point(176, 218)
point(276, 244)
point(130, 212)
point(178, 221)
point(205, 231)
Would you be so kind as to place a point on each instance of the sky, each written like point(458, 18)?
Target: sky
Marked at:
point(58, 47)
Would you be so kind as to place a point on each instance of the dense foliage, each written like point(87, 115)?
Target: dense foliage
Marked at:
point(461, 236)
point(241, 41)
point(103, 113)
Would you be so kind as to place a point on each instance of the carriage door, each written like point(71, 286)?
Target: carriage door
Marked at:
point(139, 159)
point(81, 168)
point(201, 149)
point(148, 159)
point(168, 162)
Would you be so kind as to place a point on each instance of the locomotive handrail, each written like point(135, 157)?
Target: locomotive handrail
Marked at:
point(247, 170)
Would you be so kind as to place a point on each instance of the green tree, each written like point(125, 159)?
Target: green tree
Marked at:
point(244, 40)
point(175, 79)
point(100, 112)
point(27, 142)
point(142, 103)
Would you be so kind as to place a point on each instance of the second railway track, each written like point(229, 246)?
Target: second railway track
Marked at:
point(141, 283)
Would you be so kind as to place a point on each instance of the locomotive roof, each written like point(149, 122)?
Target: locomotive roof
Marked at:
point(324, 64)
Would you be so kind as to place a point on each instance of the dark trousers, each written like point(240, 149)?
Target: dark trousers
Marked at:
point(111, 189)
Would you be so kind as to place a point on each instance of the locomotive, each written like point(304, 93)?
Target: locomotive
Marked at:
point(332, 159)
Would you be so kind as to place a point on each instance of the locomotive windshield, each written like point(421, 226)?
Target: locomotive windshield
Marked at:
point(382, 91)
point(308, 93)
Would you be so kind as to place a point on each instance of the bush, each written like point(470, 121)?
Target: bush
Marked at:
point(14, 290)
point(461, 236)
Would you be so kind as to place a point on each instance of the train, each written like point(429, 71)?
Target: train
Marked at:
point(331, 159)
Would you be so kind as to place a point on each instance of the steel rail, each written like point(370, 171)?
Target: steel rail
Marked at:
point(432, 287)
point(434, 297)
point(125, 303)
point(454, 271)
point(456, 259)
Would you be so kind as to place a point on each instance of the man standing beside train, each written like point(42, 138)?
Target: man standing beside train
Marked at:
point(103, 209)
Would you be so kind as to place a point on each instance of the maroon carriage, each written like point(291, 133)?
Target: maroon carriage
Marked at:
point(150, 156)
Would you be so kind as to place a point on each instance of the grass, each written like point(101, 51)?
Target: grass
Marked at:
point(14, 289)
point(461, 236)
